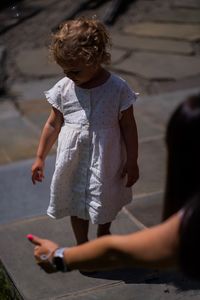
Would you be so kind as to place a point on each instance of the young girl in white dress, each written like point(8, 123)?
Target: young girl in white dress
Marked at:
point(92, 117)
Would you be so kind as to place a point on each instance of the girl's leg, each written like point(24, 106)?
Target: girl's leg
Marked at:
point(80, 228)
point(103, 229)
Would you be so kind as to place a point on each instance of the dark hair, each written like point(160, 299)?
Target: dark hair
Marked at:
point(183, 145)
point(189, 246)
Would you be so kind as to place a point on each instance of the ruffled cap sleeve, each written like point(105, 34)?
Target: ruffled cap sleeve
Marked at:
point(53, 96)
point(127, 98)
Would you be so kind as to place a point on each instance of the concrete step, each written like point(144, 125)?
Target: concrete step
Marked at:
point(30, 282)
point(28, 279)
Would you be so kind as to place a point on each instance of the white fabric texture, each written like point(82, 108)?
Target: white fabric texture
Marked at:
point(91, 153)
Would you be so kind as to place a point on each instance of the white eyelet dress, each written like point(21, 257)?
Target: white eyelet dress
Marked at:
point(87, 179)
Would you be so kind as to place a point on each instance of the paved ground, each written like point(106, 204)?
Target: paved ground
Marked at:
point(156, 48)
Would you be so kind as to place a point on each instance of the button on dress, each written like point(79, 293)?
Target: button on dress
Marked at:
point(87, 180)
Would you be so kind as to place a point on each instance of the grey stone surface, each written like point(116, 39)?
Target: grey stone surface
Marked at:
point(186, 3)
point(2, 68)
point(19, 133)
point(144, 286)
point(169, 100)
point(36, 111)
point(8, 110)
point(147, 129)
point(117, 55)
point(33, 89)
point(19, 138)
point(35, 62)
point(159, 66)
point(33, 283)
point(15, 14)
point(177, 15)
point(155, 114)
point(152, 159)
point(158, 86)
point(157, 109)
point(137, 84)
point(19, 197)
point(147, 208)
point(177, 31)
point(151, 44)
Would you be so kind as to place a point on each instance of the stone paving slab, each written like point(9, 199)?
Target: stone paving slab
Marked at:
point(2, 68)
point(117, 55)
point(36, 111)
point(19, 139)
point(176, 15)
point(33, 283)
point(160, 66)
point(159, 86)
point(19, 197)
point(128, 41)
point(32, 200)
point(8, 110)
point(12, 17)
point(169, 101)
point(157, 109)
point(16, 187)
point(147, 129)
point(177, 31)
point(147, 208)
point(36, 62)
point(139, 85)
point(186, 3)
point(33, 89)
point(152, 160)
point(141, 289)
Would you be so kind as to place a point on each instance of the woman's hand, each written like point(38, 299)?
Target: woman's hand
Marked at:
point(132, 172)
point(43, 252)
point(37, 170)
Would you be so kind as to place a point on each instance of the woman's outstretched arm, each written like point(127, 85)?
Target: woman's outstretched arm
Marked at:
point(153, 247)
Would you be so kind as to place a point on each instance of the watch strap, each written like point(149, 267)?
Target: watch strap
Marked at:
point(58, 260)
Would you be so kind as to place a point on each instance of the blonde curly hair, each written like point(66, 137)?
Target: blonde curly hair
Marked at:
point(83, 38)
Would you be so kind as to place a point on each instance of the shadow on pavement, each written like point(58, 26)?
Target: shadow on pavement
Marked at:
point(139, 275)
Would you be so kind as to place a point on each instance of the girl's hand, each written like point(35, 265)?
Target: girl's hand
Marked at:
point(37, 170)
point(132, 172)
point(43, 252)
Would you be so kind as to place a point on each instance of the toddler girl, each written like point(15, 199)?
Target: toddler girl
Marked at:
point(92, 116)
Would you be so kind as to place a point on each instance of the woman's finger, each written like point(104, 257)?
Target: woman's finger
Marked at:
point(34, 239)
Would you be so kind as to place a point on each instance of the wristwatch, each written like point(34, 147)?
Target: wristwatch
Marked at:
point(58, 260)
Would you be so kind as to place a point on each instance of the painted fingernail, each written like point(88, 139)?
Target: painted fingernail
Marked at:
point(29, 237)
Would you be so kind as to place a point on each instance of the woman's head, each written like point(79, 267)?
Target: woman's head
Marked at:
point(183, 145)
point(82, 39)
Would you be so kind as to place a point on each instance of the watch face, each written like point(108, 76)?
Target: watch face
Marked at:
point(58, 261)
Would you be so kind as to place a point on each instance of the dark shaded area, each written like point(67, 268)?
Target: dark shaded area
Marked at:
point(116, 8)
point(8, 3)
point(13, 13)
point(141, 275)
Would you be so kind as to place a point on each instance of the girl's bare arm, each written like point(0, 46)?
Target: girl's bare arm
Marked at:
point(50, 133)
point(48, 137)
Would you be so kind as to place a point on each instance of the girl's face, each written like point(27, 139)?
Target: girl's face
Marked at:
point(79, 72)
